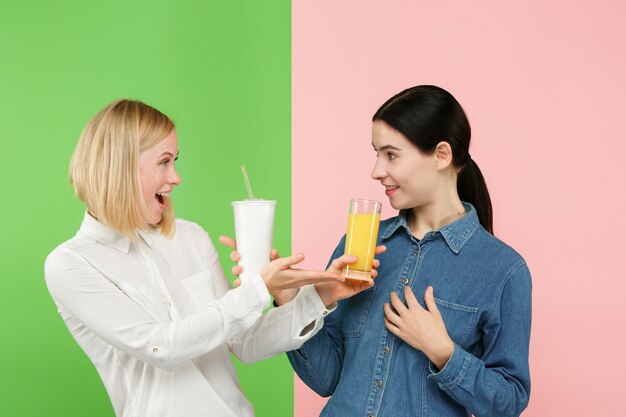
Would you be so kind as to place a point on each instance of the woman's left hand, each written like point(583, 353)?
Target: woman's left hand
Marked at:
point(421, 328)
point(280, 296)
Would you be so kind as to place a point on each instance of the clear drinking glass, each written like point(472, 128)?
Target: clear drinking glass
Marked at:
point(363, 221)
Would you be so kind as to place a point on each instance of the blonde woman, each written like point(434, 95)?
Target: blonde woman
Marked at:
point(144, 294)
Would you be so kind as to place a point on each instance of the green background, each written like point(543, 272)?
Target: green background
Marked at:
point(220, 70)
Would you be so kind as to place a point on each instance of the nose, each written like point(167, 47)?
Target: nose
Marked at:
point(174, 178)
point(378, 172)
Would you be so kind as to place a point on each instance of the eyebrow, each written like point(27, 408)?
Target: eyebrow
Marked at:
point(169, 153)
point(384, 148)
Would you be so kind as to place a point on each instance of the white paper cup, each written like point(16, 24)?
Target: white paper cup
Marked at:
point(254, 231)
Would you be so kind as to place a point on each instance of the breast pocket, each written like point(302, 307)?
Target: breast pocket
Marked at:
point(459, 319)
point(200, 287)
point(355, 311)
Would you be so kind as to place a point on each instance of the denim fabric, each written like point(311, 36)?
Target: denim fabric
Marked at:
point(482, 288)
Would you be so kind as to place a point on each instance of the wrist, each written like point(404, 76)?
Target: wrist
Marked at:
point(325, 295)
point(284, 296)
point(442, 355)
point(266, 280)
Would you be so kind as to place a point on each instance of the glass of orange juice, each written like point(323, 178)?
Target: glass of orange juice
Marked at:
point(363, 221)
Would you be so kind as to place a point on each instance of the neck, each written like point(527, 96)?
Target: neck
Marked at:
point(434, 215)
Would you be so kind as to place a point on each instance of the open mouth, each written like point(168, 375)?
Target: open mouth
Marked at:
point(160, 197)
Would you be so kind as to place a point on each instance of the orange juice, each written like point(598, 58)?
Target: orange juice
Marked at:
point(361, 242)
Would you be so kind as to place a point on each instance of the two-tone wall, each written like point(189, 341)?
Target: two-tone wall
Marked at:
point(289, 88)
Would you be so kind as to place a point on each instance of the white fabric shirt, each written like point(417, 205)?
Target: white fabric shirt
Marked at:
point(158, 319)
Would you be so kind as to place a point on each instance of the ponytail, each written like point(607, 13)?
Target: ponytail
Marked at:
point(472, 188)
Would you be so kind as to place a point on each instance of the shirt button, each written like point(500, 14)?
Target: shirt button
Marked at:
point(324, 313)
point(386, 349)
point(405, 280)
point(369, 415)
point(379, 383)
point(155, 349)
point(417, 249)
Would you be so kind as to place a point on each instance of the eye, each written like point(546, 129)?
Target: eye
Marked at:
point(165, 162)
point(391, 156)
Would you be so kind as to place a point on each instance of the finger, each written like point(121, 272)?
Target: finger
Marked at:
point(237, 270)
point(311, 276)
point(358, 284)
point(289, 261)
point(375, 263)
point(380, 249)
point(274, 255)
point(235, 256)
point(342, 261)
point(429, 300)
point(391, 315)
point(374, 273)
point(228, 241)
point(409, 296)
point(392, 328)
point(237, 282)
point(397, 303)
point(366, 284)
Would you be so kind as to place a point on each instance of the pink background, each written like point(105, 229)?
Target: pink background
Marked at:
point(543, 84)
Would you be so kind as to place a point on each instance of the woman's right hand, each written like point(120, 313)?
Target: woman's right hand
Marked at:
point(280, 275)
point(331, 292)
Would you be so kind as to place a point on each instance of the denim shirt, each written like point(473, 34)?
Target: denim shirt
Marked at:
point(482, 288)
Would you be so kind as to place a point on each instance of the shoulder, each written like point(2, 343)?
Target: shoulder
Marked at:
point(498, 255)
point(188, 226)
point(193, 237)
point(495, 244)
point(67, 257)
point(70, 249)
point(187, 230)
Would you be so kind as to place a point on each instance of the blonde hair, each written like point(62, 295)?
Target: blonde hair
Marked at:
point(104, 169)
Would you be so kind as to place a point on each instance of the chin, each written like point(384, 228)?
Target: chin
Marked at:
point(398, 205)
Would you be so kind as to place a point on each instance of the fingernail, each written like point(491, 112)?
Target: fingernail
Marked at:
point(299, 256)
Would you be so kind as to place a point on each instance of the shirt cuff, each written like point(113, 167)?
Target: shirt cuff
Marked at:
point(453, 371)
point(258, 283)
point(309, 293)
point(308, 306)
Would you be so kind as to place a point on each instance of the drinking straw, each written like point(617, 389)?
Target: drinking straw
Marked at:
point(245, 178)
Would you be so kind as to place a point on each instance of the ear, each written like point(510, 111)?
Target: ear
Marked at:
point(443, 155)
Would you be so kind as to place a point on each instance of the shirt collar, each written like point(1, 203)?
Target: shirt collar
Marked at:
point(456, 234)
point(108, 236)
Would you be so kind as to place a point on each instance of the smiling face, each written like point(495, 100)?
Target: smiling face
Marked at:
point(158, 175)
point(411, 177)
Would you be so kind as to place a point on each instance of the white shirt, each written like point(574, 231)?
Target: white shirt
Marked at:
point(158, 319)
